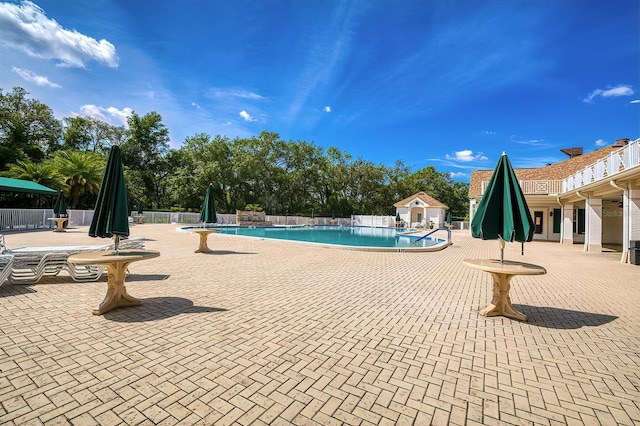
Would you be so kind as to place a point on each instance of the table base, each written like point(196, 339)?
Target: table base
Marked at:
point(204, 234)
point(117, 295)
point(501, 302)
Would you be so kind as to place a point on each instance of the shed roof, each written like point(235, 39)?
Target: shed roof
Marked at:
point(427, 199)
point(557, 171)
point(19, 185)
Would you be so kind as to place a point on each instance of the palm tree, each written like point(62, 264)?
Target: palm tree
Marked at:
point(82, 174)
point(43, 173)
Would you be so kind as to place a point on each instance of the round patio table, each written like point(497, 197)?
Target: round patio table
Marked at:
point(204, 234)
point(116, 264)
point(502, 274)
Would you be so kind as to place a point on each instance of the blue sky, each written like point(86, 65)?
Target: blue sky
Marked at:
point(445, 83)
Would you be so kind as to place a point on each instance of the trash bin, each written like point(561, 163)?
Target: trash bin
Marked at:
point(634, 252)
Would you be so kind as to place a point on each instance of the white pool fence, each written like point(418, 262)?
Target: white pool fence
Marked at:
point(24, 219)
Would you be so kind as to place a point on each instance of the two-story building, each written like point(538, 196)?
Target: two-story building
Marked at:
point(591, 199)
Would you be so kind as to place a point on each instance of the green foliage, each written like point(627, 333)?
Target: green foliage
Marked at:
point(91, 134)
point(81, 173)
point(28, 129)
point(253, 208)
point(43, 173)
point(281, 177)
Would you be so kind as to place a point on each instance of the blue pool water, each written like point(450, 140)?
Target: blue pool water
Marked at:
point(339, 235)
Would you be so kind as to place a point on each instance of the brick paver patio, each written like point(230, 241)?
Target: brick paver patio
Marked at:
point(271, 332)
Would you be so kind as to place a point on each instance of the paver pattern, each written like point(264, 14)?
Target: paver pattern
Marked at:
point(278, 333)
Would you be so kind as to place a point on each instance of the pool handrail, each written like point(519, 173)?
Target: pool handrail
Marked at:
point(434, 231)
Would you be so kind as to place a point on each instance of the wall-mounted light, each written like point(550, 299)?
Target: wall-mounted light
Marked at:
point(551, 213)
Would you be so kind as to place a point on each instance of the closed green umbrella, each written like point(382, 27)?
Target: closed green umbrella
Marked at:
point(448, 220)
point(208, 212)
point(502, 213)
point(312, 215)
point(60, 207)
point(140, 208)
point(111, 215)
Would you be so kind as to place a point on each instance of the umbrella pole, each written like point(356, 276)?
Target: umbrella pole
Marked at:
point(117, 243)
point(501, 250)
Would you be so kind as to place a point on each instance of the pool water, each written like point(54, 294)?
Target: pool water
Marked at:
point(338, 235)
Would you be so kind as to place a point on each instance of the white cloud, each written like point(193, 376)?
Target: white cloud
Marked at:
point(454, 175)
point(327, 109)
point(246, 116)
point(233, 93)
point(635, 101)
point(487, 133)
point(34, 78)
point(540, 143)
point(195, 105)
point(25, 27)
point(622, 90)
point(466, 156)
point(601, 142)
point(107, 114)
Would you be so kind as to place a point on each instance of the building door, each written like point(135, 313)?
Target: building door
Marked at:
point(540, 232)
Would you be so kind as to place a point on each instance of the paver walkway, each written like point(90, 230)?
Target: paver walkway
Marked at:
point(272, 332)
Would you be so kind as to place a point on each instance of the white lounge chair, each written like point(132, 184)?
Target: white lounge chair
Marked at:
point(29, 268)
point(31, 264)
point(6, 262)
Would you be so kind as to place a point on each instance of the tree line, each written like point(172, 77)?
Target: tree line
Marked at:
point(265, 171)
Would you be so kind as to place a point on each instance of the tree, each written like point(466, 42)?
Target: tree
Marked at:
point(144, 153)
point(44, 173)
point(91, 134)
point(81, 172)
point(28, 129)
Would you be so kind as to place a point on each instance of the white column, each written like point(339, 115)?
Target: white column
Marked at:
point(566, 229)
point(593, 216)
point(631, 211)
point(472, 211)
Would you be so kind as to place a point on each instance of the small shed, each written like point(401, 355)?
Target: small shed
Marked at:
point(421, 210)
point(25, 194)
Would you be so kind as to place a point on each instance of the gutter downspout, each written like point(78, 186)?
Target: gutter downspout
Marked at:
point(586, 223)
point(625, 220)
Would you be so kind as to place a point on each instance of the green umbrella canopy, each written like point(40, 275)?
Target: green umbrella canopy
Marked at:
point(140, 207)
point(312, 215)
point(60, 207)
point(111, 215)
point(503, 212)
point(208, 212)
point(448, 221)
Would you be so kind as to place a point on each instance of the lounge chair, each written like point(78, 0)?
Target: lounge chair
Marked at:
point(31, 264)
point(6, 263)
point(29, 268)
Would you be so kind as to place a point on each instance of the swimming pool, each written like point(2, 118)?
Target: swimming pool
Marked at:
point(358, 237)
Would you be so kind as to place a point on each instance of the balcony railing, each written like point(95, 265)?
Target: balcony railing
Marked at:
point(616, 162)
point(535, 187)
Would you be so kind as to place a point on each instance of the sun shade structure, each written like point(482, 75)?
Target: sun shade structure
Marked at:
point(111, 216)
point(208, 213)
point(502, 213)
point(26, 186)
point(60, 207)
